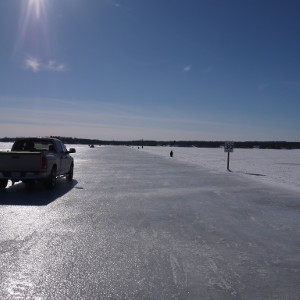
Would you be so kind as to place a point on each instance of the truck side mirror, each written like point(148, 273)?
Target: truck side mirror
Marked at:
point(72, 150)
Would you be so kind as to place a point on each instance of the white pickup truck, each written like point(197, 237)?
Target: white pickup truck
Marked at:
point(36, 159)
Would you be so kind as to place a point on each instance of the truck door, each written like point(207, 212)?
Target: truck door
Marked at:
point(65, 162)
point(60, 157)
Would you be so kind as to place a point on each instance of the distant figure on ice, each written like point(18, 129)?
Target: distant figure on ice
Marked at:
point(171, 153)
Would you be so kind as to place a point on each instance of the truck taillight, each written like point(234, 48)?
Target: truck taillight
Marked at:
point(43, 162)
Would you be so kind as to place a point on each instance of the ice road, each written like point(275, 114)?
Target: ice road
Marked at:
point(134, 225)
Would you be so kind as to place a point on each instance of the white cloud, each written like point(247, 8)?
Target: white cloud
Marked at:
point(187, 68)
point(33, 64)
point(56, 67)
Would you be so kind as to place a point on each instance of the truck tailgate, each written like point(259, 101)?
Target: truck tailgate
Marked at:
point(20, 161)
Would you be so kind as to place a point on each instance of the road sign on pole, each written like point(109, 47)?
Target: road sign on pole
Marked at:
point(228, 147)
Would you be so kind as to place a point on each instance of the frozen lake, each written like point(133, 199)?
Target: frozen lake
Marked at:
point(275, 167)
point(135, 224)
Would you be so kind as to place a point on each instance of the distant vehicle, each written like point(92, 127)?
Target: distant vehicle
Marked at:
point(92, 146)
point(36, 159)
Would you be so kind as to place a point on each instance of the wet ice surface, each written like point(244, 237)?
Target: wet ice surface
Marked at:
point(133, 225)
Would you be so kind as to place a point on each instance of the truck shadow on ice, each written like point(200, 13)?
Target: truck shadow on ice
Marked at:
point(38, 195)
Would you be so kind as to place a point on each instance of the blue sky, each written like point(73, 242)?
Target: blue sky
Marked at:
point(150, 69)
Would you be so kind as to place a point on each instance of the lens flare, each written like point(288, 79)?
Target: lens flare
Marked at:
point(33, 34)
point(35, 7)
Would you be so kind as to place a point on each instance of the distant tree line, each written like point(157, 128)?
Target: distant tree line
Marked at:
point(197, 144)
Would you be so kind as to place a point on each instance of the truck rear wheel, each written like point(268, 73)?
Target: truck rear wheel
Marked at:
point(3, 183)
point(51, 181)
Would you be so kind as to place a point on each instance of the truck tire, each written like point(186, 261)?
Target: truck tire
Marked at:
point(71, 172)
point(3, 184)
point(51, 181)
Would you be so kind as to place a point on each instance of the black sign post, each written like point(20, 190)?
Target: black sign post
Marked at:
point(228, 158)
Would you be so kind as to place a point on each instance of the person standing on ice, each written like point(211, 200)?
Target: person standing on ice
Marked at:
point(171, 153)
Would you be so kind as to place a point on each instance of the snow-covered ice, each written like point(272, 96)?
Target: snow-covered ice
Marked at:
point(277, 167)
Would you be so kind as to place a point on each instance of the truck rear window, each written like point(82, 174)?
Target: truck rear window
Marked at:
point(33, 145)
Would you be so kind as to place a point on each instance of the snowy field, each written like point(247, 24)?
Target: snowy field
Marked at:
point(275, 167)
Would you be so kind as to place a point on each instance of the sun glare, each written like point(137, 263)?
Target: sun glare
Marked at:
point(33, 28)
point(35, 6)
